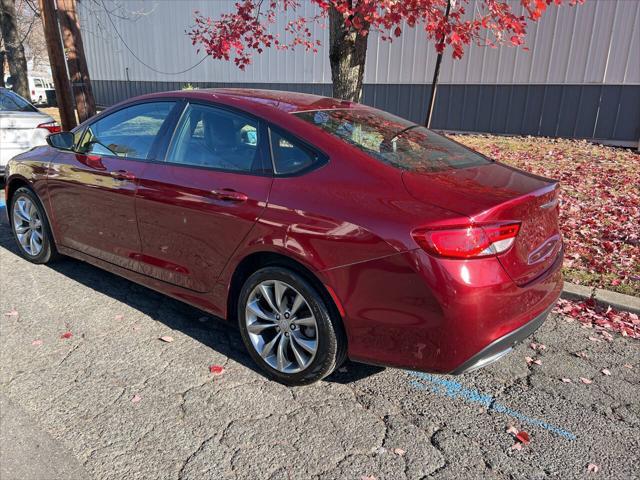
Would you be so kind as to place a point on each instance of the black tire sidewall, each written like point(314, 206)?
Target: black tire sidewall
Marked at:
point(326, 355)
point(46, 253)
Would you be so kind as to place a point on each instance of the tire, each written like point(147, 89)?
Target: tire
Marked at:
point(26, 201)
point(296, 333)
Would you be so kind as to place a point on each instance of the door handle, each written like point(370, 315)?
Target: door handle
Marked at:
point(229, 195)
point(122, 175)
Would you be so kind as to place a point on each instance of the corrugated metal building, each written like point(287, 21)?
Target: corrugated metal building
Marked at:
point(580, 77)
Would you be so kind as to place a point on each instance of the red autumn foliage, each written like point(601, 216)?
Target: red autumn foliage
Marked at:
point(603, 320)
point(240, 33)
point(600, 209)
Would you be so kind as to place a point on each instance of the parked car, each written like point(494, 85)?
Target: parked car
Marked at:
point(323, 228)
point(22, 126)
point(38, 87)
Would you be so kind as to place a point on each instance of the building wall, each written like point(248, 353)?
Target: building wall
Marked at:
point(579, 78)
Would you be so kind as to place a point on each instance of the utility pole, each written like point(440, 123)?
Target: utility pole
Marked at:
point(76, 60)
point(436, 72)
point(58, 64)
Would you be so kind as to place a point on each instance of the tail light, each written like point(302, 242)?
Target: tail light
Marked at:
point(52, 127)
point(470, 241)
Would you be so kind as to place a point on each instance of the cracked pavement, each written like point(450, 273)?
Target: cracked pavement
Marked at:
point(190, 424)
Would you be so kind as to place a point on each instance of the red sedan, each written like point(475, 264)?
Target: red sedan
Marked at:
point(324, 228)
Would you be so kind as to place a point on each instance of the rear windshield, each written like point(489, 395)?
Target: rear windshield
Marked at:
point(393, 140)
point(12, 102)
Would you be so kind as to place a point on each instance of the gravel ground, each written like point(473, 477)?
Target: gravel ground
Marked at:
point(128, 405)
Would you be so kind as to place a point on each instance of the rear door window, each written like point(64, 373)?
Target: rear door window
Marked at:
point(217, 138)
point(12, 102)
point(129, 132)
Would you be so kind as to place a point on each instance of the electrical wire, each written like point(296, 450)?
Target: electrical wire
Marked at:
point(136, 56)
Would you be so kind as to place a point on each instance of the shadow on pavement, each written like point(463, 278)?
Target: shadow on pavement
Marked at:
point(205, 328)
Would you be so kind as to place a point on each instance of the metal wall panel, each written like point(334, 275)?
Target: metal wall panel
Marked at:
point(593, 43)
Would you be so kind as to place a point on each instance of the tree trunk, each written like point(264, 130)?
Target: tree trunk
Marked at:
point(14, 48)
point(2, 67)
point(347, 55)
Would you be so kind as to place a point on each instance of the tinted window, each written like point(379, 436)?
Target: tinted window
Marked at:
point(129, 132)
point(393, 140)
point(12, 102)
point(216, 138)
point(37, 82)
point(288, 156)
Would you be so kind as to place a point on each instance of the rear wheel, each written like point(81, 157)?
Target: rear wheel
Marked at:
point(288, 327)
point(30, 227)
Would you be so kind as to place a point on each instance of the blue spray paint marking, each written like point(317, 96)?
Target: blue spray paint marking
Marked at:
point(453, 389)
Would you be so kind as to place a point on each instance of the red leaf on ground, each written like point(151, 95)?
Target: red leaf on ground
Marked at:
point(11, 313)
point(216, 369)
point(628, 365)
point(592, 468)
point(136, 398)
point(36, 343)
point(119, 317)
point(66, 335)
point(586, 381)
point(606, 371)
point(523, 437)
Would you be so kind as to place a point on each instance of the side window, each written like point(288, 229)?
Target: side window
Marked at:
point(216, 138)
point(37, 82)
point(288, 156)
point(129, 132)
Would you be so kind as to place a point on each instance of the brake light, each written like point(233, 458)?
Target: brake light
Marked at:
point(52, 127)
point(471, 241)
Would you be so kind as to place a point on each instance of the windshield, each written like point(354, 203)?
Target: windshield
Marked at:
point(393, 140)
point(12, 102)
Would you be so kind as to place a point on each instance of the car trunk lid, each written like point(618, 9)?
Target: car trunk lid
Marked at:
point(496, 193)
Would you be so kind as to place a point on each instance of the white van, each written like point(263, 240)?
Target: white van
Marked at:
point(38, 87)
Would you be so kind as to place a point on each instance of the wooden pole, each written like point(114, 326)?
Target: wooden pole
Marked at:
point(436, 74)
point(76, 60)
point(58, 64)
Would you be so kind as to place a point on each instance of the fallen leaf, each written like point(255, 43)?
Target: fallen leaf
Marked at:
point(523, 437)
point(368, 477)
point(586, 381)
point(36, 343)
point(592, 468)
point(11, 313)
point(581, 354)
point(512, 430)
point(398, 451)
point(66, 335)
point(628, 365)
point(566, 380)
point(166, 338)
point(119, 317)
point(516, 446)
point(537, 362)
point(136, 398)
point(529, 360)
point(216, 369)
point(595, 339)
point(606, 371)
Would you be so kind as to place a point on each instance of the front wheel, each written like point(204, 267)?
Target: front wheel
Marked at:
point(30, 227)
point(288, 328)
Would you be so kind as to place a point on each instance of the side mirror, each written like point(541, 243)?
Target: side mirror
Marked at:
point(62, 140)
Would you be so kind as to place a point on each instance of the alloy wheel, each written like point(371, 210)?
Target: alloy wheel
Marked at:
point(28, 226)
point(281, 326)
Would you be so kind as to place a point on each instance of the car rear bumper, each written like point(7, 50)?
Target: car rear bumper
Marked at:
point(502, 346)
point(413, 311)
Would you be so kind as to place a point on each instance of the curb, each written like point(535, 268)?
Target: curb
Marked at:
point(619, 301)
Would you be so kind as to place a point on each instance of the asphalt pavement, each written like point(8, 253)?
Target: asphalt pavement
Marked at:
point(87, 388)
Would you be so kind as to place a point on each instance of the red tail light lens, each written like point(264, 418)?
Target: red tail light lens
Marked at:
point(471, 241)
point(52, 127)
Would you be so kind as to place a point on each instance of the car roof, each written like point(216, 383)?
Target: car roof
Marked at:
point(281, 100)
